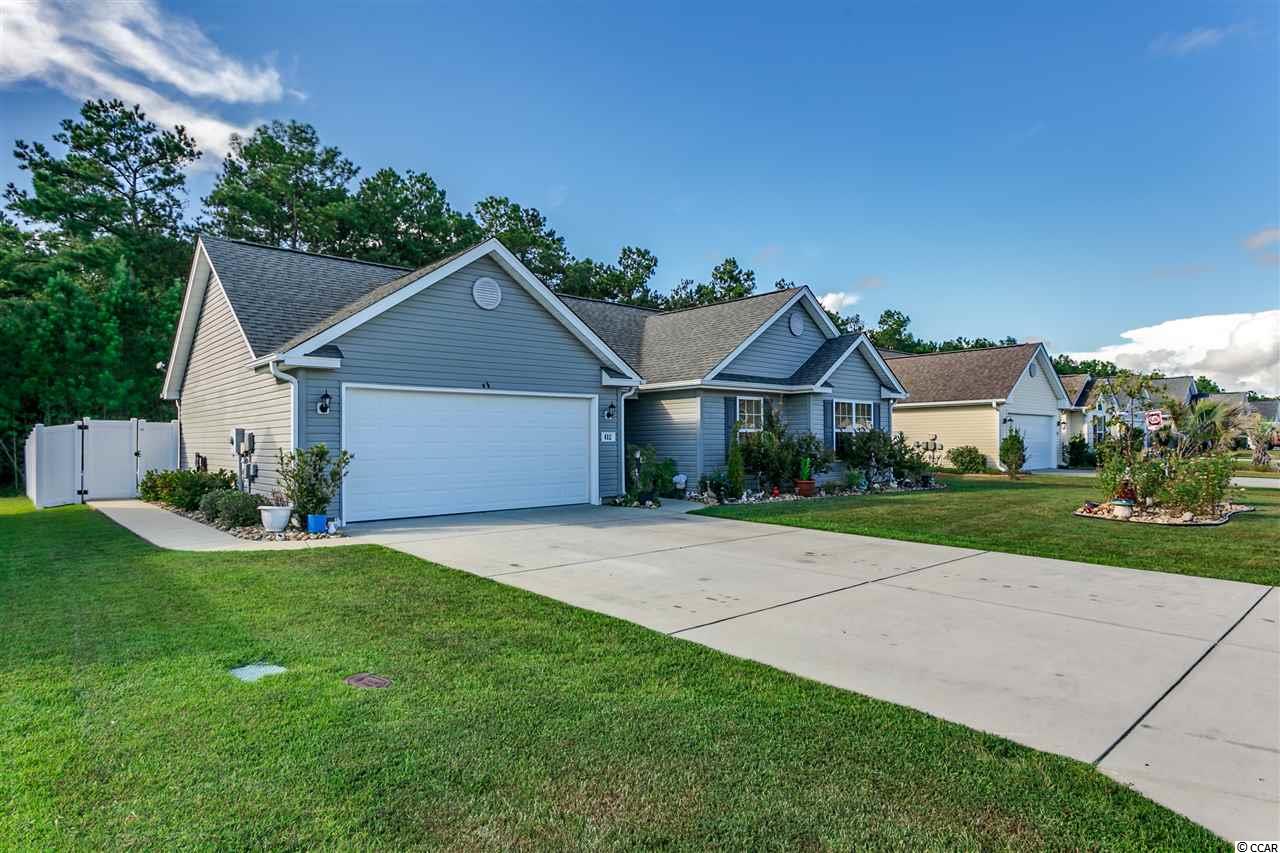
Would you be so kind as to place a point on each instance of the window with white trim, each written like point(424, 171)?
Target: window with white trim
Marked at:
point(854, 416)
point(750, 415)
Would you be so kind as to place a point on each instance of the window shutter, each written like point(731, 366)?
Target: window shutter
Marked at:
point(730, 418)
point(829, 424)
point(875, 417)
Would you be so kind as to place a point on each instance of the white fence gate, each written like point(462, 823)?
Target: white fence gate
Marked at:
point(92, 459)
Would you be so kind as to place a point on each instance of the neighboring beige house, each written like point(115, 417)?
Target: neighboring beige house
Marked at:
point(974, 397)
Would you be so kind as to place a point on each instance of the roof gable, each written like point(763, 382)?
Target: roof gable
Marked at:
point(964, 375)
point(295, 303)
point(692, 344)
point(278, 293)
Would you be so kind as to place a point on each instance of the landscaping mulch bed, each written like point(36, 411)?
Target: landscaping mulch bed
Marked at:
point(255, 532)
point(760, 497)
point(1105, 512)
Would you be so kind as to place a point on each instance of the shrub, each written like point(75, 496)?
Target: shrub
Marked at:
point(239, 509)
point(1149, 475)
point(1079, 454)
point(735, 478)
point(967, 459)
point(869, 451)
point(310, 479)
point(209, 503)
point(908, 461)
point(1197, 484)
point(1013, 452)
point(183, 489)
point(664, 474)
point(809, 446)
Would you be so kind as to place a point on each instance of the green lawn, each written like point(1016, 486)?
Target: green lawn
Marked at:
point(513, 721)
point(1033, 516)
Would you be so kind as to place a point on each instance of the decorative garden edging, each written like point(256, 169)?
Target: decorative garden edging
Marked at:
point(1105, 512)
point(254, 533)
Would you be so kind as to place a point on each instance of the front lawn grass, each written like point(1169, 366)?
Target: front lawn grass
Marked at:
point(1033, 516)
point(513, 721)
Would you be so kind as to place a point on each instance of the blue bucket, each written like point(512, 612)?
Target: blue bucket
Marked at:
point(317, 523)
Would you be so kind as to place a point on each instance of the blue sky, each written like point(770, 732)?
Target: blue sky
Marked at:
point(1065, 173)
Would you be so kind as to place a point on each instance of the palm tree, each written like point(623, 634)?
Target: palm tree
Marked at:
point(1204, 425)
point(1260, 433)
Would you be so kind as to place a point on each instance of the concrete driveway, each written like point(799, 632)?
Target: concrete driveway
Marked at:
point(1170, 684)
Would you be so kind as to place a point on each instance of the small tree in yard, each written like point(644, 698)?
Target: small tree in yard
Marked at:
point(310, 479)
point(1013, 452)
point(736, 475)
point(1260, 432)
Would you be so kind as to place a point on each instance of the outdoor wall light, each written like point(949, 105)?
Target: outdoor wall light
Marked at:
point(611, 412)
point(322, 407)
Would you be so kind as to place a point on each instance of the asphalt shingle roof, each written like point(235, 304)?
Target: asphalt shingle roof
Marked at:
point(278, 293)
point(1078, 386)
point(822, 359)
point(673, 346)
point(283, 297)
point(976, 374)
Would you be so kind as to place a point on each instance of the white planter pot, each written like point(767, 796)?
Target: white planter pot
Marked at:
point(275, 518)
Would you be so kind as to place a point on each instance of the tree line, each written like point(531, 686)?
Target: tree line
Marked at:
point(95, 249)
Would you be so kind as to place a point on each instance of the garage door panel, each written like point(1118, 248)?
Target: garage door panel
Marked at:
point(432, 453)
point(1038, 431)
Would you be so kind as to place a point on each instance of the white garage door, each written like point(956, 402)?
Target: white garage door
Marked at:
point(438, 452)
point(1038, 433)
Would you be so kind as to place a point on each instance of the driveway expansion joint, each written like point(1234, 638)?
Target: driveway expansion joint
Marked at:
point(1097, 761)
point(824, 593)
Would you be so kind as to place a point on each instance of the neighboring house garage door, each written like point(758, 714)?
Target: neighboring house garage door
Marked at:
point(1037, 431)
point(438, 452)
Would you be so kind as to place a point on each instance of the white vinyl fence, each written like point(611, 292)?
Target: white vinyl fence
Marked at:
point(92, 459)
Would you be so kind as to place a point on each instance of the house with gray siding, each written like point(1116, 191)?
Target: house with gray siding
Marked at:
point(468, 385)
point(709, 369)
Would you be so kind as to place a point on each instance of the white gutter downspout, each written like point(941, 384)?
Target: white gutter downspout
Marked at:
point(293, 402)
point(622, 435)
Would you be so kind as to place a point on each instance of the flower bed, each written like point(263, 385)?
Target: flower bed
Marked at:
point(1159, 515)
point(827, 491)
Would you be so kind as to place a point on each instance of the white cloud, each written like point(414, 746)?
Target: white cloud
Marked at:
point(838, 301)
point(125, 50)
point(1238, 351)
point(1201, 38)
point(1262, 239)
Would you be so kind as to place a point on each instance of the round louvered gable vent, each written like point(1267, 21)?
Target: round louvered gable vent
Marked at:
point(487, 293)
point(797, 324)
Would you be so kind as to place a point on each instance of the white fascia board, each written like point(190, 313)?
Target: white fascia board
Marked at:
point(886, 394)
point(617, 381)
point(320, 362)
point(734, 386)
point(819, 315)
point(786, 306)
point(1047, 362)
point(184, 335)
point(508, 262)
point(993, 401)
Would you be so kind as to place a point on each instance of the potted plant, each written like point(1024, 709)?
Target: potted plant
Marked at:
point(1122, 503)
point(804, 484)
point(311, 481)
point(276, 512)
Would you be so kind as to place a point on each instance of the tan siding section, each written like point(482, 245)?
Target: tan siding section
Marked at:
point(955, 426)
point(219, 392)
